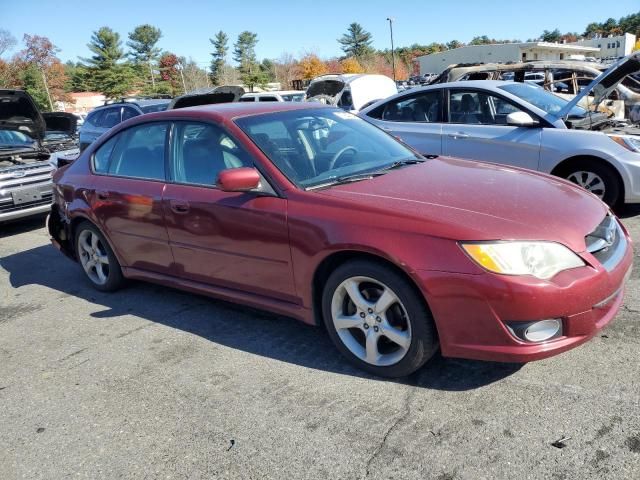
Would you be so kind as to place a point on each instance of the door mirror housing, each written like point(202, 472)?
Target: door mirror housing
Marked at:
point(521, 119)
point(241, 179)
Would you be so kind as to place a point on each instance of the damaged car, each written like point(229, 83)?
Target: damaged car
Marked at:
point(30, 145)
point(565, 78)
point(350, 91)
point(524, 125)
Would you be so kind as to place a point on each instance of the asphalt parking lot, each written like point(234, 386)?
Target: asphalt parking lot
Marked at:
point(154, 383)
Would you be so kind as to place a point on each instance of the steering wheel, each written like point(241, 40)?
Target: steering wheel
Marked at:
point(338, 154)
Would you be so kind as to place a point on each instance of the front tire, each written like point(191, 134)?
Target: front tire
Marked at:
point(377, 320)
point(597, 178)
point(98, 261)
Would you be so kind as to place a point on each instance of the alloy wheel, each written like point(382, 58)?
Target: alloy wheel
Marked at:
point(93, 257)
point(371, 321)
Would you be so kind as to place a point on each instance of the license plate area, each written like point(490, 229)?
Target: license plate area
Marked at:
point(26, 195)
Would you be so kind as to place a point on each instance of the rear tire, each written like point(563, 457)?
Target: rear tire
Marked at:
point(595, 177)
point(387, 330)
point(96, 258)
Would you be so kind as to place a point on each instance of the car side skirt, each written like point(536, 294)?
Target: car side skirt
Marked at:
point(227, 294)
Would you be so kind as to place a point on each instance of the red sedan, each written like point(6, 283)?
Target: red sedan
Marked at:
point(311, 212)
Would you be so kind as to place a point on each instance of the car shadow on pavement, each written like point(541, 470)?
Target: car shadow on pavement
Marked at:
point(234, 326)
point(628, 211)
point(22, 226)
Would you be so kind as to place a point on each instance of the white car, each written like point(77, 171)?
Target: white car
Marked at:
point(523, 125)
point(350, 91)
point(276, 96)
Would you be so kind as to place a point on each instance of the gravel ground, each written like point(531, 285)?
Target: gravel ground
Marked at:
point(154, 383)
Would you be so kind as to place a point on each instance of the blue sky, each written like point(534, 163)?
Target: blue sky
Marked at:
point(300, 26)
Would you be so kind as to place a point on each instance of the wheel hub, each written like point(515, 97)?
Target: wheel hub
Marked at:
point(377, 330)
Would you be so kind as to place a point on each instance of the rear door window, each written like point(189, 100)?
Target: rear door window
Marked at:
point(426, 107)
point(103, 155)
point(128, 112)
point(140, 152)
point(267, 99)
point(94, 118)
point(110, 118)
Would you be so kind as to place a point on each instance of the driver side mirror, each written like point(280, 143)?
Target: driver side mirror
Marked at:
point(241, 179)
point(520, 119)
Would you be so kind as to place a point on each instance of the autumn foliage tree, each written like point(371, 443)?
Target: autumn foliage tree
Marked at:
point(43, 75)
point(351, 65)
point(169, 73)
point(310, 66)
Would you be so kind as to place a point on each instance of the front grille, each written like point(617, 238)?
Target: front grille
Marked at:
point(607, 243)
point(32, 174)
point(10, 207)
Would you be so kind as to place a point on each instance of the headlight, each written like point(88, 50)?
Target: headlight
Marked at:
point(540, 259)
point(630, 143)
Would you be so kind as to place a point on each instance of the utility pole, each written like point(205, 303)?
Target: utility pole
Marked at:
point(46, 87)
point(184, 85)
point(153, 81)
point(393, 53)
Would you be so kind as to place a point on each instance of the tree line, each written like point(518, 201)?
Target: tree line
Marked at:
point(137, 65)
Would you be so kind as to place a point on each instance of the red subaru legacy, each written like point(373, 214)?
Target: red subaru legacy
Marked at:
point(311, 212)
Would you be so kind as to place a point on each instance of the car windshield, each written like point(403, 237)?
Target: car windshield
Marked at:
point(542, 99)
point(318, 147)
point(295, 97)
point(15, 139)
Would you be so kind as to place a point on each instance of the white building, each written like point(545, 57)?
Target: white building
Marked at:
point(611, 47)
point(503, 53)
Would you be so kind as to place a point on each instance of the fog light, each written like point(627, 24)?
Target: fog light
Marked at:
point(536, 332)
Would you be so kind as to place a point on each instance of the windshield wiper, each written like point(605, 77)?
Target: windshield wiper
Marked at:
point(355, 177)
point(402, 163)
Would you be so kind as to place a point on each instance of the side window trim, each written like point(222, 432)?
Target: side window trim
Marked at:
point(118, 135)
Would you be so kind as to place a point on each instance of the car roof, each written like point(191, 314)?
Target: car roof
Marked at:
point(490, 84)
point(138, 103)
point(229, 111)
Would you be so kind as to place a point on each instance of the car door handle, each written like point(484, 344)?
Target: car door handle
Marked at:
point(102, 195)
point(179, 206)
point(458, 135)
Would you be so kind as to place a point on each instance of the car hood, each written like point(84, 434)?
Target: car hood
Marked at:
point(466, 200)
point(19, 112)
point(605, 83)
point(60, 122)
point(222, 94)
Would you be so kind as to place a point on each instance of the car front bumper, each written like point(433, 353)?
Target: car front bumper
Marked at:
point(472, 311)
